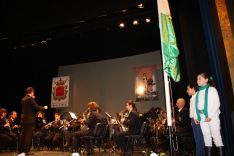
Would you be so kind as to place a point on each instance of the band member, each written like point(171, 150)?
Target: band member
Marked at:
point(54, 137)
point(8, 138)
point(92, 118)
point(40, 131)
point(14, 122)
point(29, 105)
point(74, 126)
point(133, 124)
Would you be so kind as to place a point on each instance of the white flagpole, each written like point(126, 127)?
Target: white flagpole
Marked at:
point(167, 97)
point(166, 89)
point(166, 83)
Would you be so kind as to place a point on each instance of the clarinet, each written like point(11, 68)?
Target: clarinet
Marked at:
point(7, 124)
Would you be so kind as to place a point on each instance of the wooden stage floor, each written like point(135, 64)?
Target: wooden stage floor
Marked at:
point(68, 153)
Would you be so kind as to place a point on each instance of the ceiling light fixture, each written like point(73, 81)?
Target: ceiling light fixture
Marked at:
point(140, 6)
point(121, 25)
point(135, 22)
point(147, 20)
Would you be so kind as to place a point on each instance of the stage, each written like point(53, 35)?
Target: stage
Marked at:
point(108, 152)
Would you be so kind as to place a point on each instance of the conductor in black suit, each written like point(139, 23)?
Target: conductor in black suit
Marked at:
point(29, 106)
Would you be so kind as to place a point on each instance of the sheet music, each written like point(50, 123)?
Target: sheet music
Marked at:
point(73, 115)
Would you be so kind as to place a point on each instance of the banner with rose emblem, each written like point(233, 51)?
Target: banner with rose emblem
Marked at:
point(60, 92)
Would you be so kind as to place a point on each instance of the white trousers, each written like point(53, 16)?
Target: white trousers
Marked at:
point(211, 130)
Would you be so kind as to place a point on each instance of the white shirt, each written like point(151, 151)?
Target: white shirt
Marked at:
point(213, 102)
point(192, 106)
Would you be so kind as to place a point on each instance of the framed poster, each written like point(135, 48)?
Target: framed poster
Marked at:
point(145, 83)
point(60, 92)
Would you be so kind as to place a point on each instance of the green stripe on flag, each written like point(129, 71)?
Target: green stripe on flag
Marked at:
point(169, 47)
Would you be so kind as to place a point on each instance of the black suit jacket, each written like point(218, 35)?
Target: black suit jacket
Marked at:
point(182, 120)
point(29, 107)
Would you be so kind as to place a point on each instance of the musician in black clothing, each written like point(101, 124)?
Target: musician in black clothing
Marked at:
point(92, 118)
point(74, 126)
point(54, 137)
point(133, 124)
point(40, 131)
point(8, 137)
point(29, 105)
point(14, 122)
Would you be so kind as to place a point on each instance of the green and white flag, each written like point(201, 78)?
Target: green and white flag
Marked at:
point(168, 41)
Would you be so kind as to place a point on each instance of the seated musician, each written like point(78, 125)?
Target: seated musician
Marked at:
point(40, 131)
point(93, 117)
point(14, 122)
point(74, 126)
point(133, 124)
point(54, 137)
point(9, 138)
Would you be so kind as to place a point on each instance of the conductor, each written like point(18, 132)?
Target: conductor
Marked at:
point(29, 105)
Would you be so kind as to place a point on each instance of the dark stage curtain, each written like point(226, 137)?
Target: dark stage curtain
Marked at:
point(219, 69)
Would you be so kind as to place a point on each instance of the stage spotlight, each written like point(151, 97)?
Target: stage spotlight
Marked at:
point(124, 10)
point(43, 42)
point(147, 20)
point(121, 25)
point(140, 6)
point(140, 90)
point(135, 22)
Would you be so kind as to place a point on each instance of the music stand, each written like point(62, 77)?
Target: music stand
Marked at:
point(68, 116)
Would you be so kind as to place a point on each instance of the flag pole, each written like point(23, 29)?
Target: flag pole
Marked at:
point(167, 91)
point(168, 107)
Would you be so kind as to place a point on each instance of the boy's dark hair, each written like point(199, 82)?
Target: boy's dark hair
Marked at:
point(193, 85)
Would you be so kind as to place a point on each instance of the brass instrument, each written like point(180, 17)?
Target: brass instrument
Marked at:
point(86, 114)
point(121, 117)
